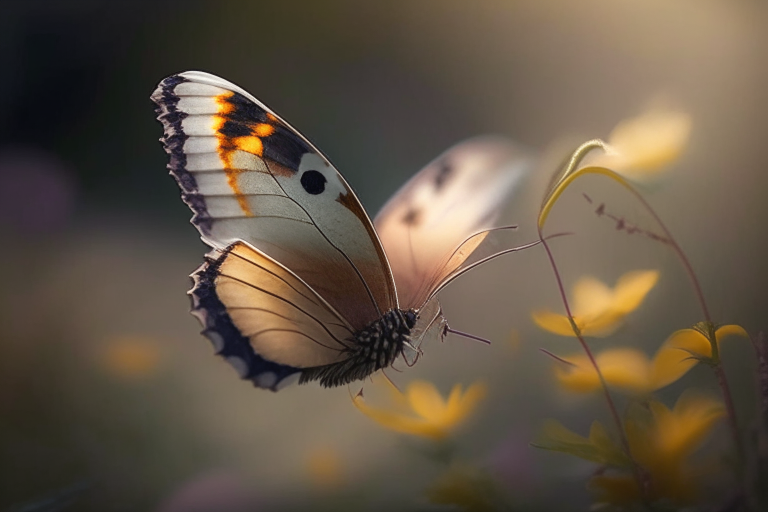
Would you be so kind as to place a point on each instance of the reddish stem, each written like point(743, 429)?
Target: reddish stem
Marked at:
point(641, 482)
point(722, 380)
point(679, 251)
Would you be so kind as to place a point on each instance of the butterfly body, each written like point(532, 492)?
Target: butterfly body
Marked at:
point(300, 282)
point(373, 348)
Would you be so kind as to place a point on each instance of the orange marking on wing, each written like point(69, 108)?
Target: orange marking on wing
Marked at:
point(232, 175)
point(225, 107)
point(271, 117)
point(249, 144)
point(227, 146)
point(264, 130)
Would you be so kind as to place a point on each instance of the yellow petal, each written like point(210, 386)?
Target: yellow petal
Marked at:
point(674, 358)
point(554, 323)
point(461, 406)
point(132, 357)
point(598, 310)
point(625, 368)
point(580, 377)
point(730, 330)
point(632, 288)
point(690, 340)
point(591, 297)
point(682, 430)
point(601, 325)
point(399, 422)
point(426, 401)
point(465, 488)
point(645, 144)
point(325, 467)
point(669, 364)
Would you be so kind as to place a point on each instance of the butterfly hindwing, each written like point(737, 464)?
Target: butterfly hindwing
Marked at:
point(247, 175)
point(426, 225)
point(264, 319)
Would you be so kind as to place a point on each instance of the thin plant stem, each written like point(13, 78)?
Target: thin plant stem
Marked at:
point(572, 172)
point(723, 382)
point(678, 250)
point(717, 367)
point(641, 481)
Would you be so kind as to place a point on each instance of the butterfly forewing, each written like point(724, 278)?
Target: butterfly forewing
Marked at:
point(248, 176)
point(426, 228)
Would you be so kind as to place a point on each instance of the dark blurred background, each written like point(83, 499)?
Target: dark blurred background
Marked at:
point(109, 398)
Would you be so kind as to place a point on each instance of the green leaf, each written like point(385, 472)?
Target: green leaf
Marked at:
point(599, 447)
point(611, 452)
point(697, 357)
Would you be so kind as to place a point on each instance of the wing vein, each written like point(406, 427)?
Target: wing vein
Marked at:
point(357, 271)
point(259, 333)
point(251, 285)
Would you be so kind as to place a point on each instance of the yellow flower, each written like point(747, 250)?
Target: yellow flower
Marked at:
point(640, 147)
point(631, 370)
point(662, 445)
point(466, 488)
point(597, 309)
point(324, 466)
point(422, 411)
point(131, 357)
point(695, 343)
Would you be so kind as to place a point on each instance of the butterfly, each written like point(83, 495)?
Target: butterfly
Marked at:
point(299, 280)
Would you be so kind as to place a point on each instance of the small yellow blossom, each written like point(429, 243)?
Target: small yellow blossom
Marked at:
point(422, 411)
point(696, 344)
point(131, 357)
point(597, 309)
point(640, 147)
point(324, 466)
point(466, 488)
point(630, 369)
point(662, 445)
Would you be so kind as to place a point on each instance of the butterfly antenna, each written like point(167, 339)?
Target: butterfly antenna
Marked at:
point(479, 262)
point(467, 335)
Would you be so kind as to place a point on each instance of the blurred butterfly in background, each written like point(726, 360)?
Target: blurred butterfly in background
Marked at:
point(299, 281)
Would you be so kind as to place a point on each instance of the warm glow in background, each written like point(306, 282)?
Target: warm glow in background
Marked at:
point(109, 397)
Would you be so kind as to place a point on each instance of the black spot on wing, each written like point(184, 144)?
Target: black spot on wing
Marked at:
point(173, 139)
point(313, 182)
point(215, 320)
point(443, 172)
point(411, 217)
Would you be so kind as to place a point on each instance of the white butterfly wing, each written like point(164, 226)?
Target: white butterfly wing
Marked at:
point(247, 175)
point(425, 226)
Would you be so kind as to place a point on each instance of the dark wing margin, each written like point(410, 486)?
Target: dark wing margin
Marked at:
point(227, 340)
point(173, 139)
